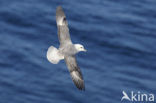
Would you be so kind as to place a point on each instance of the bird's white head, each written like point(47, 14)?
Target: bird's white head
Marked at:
point(80, 47)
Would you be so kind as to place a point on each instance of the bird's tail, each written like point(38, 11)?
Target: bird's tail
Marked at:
point(53, 55)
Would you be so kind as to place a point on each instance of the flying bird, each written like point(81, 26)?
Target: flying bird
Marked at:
point(67, 50)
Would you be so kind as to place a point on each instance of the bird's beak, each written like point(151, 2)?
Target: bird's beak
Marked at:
point(84, 50)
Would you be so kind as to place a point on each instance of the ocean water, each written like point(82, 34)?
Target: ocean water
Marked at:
point(118, 34)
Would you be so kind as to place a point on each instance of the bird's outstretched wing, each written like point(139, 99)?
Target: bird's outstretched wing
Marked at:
point(62, 26)
point(75, 72)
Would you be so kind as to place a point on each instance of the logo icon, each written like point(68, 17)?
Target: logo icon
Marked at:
point(125, 96)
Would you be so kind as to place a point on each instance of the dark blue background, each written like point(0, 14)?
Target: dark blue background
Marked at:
point(120, 36)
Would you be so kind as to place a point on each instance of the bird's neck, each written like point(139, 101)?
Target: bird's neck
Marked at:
point(76, 49)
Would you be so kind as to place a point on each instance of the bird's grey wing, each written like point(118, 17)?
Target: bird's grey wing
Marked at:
point(62, 26)
point(75, 72)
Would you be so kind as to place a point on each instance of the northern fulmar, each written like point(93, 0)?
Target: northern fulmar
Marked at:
point(66, 50)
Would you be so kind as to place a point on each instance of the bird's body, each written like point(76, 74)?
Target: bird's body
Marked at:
point(67, 50)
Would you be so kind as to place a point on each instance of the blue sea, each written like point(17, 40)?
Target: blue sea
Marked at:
point(119, 35)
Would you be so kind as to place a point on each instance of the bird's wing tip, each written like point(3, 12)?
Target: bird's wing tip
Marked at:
point(82, 89)
point(59, 7)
